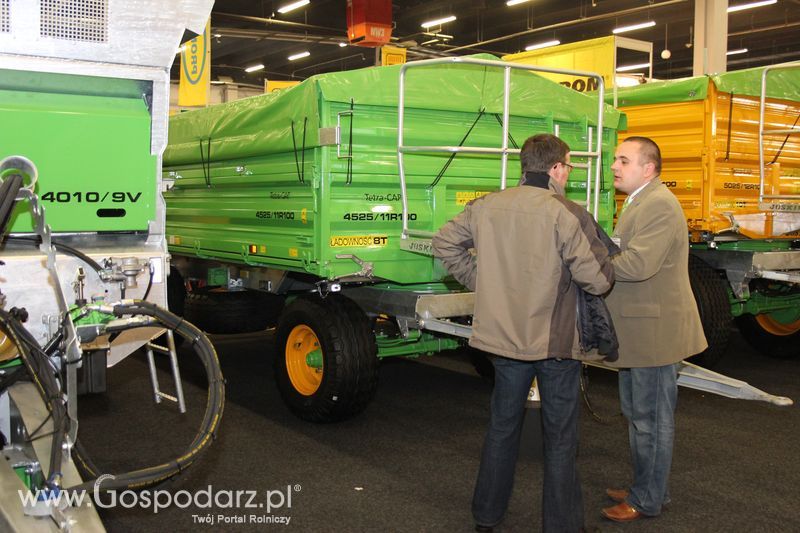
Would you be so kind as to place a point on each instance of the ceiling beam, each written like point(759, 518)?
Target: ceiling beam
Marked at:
point(568, 23)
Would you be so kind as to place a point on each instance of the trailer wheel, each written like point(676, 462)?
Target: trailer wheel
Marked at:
point(714, 307)
point(774, 334)
point(326, 364)
point(218, 310)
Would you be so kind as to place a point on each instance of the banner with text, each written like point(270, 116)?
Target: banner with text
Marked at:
point(392, 55)
point(594, 55)
point(193, 89)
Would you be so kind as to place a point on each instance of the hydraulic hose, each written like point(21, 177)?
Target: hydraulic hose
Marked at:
point(44, 377)
point(206, 434)
point(8, 198)
point(39, 367)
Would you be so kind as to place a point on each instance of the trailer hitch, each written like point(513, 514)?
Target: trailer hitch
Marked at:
point(325, 287)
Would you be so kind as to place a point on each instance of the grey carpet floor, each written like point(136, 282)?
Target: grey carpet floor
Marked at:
point(409, 462)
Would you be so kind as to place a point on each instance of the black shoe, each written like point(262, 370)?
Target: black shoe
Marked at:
point(483, 529)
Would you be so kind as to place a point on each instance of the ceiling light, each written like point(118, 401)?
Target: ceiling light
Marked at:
point(623, 29)
point(751, 5)
point(254, 68)
point(515, 2)
point(628, 68)
point(734, 52)
point(342, 45)
point(541, 45)
point(429, 42)
point(438, 22)
point(293, 6)
point(301, 55)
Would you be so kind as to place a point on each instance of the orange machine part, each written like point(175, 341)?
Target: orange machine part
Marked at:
point(369, 22)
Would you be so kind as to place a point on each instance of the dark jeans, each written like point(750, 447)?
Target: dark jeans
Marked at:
point(648, 397)
point(562, 501)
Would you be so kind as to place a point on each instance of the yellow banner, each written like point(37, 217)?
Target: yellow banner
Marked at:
point(275, 85)
point(196, 70)
point(392, 55)
point(594, 55)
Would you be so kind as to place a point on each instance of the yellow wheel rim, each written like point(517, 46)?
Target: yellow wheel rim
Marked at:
point(305, 378)
point(770, 325)
point(8, 350)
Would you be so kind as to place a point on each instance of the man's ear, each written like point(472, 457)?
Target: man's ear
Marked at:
point(652, 170)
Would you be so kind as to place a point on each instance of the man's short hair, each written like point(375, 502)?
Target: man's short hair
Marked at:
point(649, 151)
point(540, 152)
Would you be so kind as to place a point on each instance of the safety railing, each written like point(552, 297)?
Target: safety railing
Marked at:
point(775, 203)
point(594, 156)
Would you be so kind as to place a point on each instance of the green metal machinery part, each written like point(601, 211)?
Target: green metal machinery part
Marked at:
point(90, 180)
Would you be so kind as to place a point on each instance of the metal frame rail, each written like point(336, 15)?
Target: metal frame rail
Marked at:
point(696, 377)
point(504, 150)
point(762, 132)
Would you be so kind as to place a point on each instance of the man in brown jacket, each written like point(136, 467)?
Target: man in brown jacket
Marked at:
point(656, 319)
point(534, 251)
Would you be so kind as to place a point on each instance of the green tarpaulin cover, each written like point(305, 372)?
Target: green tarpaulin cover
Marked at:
point(658, 92)
point(783, 83)
point(263, 124)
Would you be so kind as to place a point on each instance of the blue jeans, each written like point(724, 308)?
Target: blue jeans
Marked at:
point(562, 501)
point(648, 397)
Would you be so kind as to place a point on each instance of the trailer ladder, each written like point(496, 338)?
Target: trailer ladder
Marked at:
point(775, 201)
point(419, 240)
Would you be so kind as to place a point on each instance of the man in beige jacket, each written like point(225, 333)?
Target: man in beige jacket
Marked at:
point(656, 319)
point(535, 250)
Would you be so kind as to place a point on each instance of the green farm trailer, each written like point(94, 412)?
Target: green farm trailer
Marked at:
point(327, 194)
point(313, 208)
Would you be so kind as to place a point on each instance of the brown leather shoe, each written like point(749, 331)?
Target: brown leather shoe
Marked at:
point(622, 512)
point(618, 495)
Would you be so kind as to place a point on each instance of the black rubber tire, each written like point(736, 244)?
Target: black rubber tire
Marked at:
point(777, 346)
point(216, 310)
point(350, 361)
point(711, 294)
point(176, 292)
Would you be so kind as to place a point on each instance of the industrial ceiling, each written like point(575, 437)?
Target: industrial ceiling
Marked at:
point(247, 33)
